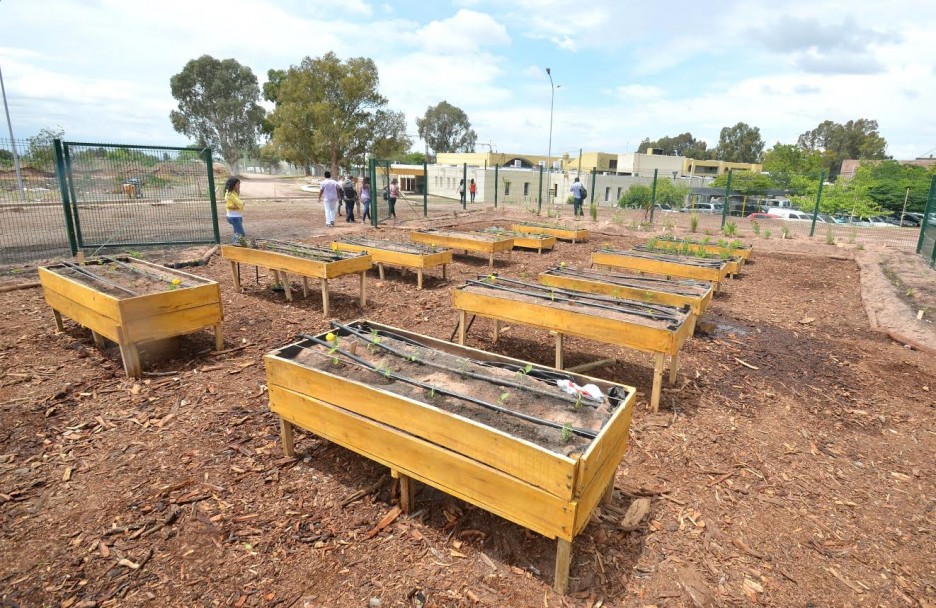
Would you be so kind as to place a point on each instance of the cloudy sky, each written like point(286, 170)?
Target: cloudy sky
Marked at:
point(624, 71)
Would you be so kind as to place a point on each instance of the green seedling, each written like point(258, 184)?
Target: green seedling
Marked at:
point(829, 237)
point(503, 398)
point(767, 233)
point(526, 370)
point(730, 229)
point(693, 222)
point(755, 227)
point(785, 231)
point(567, 432)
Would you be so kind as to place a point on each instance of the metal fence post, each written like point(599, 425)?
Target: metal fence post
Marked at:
point(594, 175)
point(372, 170)
point(653, 194)
point(930, 208)
point(464, 193)
point(425, 189)
point(495, 185)
point(812, 229)
point(73, 198)
point(724, 211)
point(63, 189)
point(539, 196)
point(209, 164)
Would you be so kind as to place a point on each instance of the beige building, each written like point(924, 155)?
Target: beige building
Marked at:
point(639, 164)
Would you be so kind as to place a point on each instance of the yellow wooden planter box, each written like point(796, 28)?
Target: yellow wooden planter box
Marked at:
point(733, 263)
point(282, 263)
point(129, 319)
point(547, 492)
point(468, 241)
point(663, 265)
point(527, 240)
point(742, 251)
point(417, 257)
point(632, 331)
point(563, 233)
point(679, 293)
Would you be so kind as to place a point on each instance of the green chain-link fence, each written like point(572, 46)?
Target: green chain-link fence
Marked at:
point(926, 244)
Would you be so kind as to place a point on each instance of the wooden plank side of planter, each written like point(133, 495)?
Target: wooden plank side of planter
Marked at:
point(357, 264)
point(78, 292)
point(603, 476)
point(169, 301)
point(743, 252)
point(583, 325)
point(697, 304)
point(84, 315)
point(176, 323)
point(610, 446)
point(554, 473)
point(662, 267)
point(453, 473)
point(398, 258)
point(484, 245)
point(535, 242)
point(565, 234)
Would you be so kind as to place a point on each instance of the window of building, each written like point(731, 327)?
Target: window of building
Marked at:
point(619, 194)
point(612, 164)
point(607, 194)
point(526, 188)
point(506, 188)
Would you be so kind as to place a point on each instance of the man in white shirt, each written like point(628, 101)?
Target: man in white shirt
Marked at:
point(329, 190)
point(577, 197)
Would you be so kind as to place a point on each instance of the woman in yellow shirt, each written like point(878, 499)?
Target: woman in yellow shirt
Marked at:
point(234, 206)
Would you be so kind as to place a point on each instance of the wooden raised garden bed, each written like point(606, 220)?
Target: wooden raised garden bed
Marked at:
point(527, 240)
point(653, 328)
point(732, 264)
point(563, 233)
point(468, 241)
point(407, 255)
point(734, 248)
point(657, 263)
point(494, 431)
point(670, 292)
point(307, 261)
point(130, 301)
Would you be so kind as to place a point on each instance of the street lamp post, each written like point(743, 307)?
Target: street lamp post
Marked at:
point(552, 96)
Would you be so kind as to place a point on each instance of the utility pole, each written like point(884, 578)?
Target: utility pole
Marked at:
point(16, 163)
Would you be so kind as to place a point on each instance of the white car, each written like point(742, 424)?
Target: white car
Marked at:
point(703, 208)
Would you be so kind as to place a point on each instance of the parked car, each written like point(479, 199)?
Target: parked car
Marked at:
point(790, 214)
point(908, 219)
point(874, 220)
point(658, 207)
point(703, 208)
point(763, 216)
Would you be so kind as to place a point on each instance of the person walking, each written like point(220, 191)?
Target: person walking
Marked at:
point(392, 197)
point(364, 196)
point(328, 190)
point(235, 208)
point(350, 196)
point(578, 197)
point(461, 191)
point(472, 190)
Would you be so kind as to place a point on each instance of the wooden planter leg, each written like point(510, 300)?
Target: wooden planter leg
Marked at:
point(558, 351)
point(496, 330)
point(219, 337)
point(59, 326)
point(131, 359)
point(444, 278)
point(419, 278)
point(407, 493)
point(673, 368)
point(657, 381)
point(563, 561)
point(235, 272)
point(692, 324)
point(380, 271)
point(363, 288)
point(608, 495)
point(285, 284)
point(305, 287)
point(325, 297)
point(462, 318)
point(286, 434)
point(98, 339)
point(491, 261)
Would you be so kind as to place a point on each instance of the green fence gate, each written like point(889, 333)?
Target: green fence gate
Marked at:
point(123, 196)
point(926, 245)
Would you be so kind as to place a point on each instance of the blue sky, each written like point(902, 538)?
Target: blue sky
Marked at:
point(100, 69)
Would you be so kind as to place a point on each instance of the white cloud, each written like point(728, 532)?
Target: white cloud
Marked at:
point(465, 32)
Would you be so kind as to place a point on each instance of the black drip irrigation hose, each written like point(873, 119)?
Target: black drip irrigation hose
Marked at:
point(653, 256)
point(572, 295)
point(469, 374)
point(301, 246)
point(441, 391)
point(87, 273)
point(577, 299)
point(141, 272)
point(580, 272)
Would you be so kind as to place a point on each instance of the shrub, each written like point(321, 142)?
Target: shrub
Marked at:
point(693, 222)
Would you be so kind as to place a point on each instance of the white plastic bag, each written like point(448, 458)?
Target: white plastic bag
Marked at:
point(589, 390)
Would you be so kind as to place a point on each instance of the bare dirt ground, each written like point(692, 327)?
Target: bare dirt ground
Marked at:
point(790, 465)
